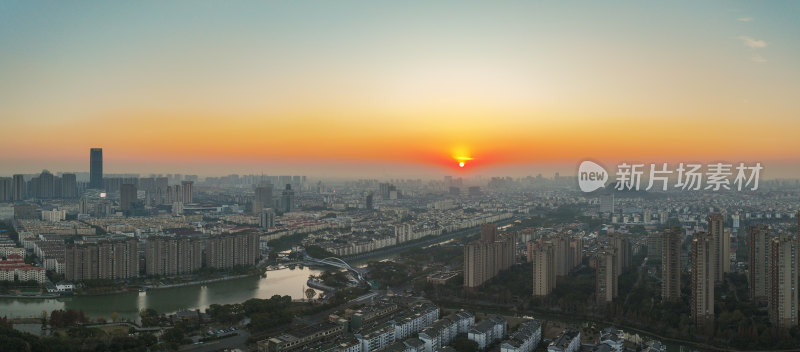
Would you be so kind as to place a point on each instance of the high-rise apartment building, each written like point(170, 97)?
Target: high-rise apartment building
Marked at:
point(263, 197)
point(606, 277)
point(96, 168)
point(486, 257)
point(759, 237)
point(721, 241)
point(266, 219)
point(6, 186)
point(542, 254)
point(187, 187)
point(287, 199)
point(169, 256)
point(102, 260)
point(783, 288)
point(671, 264)
point(229, 250)
point(18, 187)
point(69, 186)
point(702, 280)
point(622, 248)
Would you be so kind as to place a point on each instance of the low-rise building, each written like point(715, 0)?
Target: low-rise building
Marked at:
point(525, 339)
point(568, 340)
point(488, 332)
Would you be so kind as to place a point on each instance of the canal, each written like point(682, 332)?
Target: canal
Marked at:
point(286, 281)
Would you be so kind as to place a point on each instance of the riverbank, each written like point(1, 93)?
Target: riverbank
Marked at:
point(40, 296)
point(197, 282)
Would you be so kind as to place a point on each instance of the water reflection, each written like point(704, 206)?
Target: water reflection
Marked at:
point(279, 282)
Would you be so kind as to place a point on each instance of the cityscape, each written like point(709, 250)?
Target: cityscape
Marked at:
point(399, 177)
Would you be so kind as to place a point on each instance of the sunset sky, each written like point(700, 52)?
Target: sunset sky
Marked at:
point(372, 88)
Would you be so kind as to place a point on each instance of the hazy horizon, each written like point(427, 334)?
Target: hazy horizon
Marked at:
point(355, 87)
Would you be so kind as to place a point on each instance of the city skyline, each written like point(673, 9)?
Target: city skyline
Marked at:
point(377, 89)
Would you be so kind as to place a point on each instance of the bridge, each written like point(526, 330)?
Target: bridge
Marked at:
point(337, 262)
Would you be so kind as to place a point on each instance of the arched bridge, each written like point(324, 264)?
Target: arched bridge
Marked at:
point(337, 262)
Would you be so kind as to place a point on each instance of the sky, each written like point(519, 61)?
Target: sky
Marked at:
point(369, 88)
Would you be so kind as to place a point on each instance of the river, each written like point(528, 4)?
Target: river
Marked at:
point(168, 300)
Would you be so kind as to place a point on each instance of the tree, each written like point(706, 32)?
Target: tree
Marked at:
point(174, 337)
point(114, 317)
point(463, 344)
point(310, 293)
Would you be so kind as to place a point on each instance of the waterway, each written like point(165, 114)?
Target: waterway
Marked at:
point(286, 281)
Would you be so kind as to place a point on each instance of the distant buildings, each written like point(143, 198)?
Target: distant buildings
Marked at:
point(671, 264)
point(702, 280)
point(187, 196)
point(18, 188)
point(266, 218)
point(263, 198)
point(486, 257)
point(783, 304)
point(287, 199)
point(127, 197)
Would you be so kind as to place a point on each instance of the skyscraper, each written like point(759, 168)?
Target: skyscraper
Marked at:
point(96, 168)
point(702, 280)
point(783, 288)
point(606, 278)
point(671, 264)
point(716, 229)
point(759, 262)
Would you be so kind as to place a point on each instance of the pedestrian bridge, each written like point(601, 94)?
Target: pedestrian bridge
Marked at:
point(337, 262)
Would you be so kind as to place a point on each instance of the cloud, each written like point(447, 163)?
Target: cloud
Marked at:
point(759, 59)
point(750, 42)
point(744, 19)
